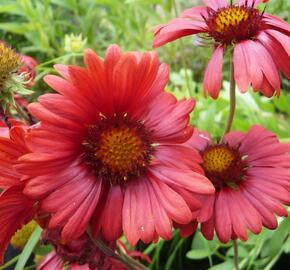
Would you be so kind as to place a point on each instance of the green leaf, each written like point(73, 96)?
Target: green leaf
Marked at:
point(201, 248)
point(11, 9)
point(278, 237)
point(243, 253)
point(17, 28)
point(42, 249)
point(28, 249)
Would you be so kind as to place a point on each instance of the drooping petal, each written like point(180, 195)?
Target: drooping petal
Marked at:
point(276, 23)
point(284, 40)
point(213, 74)
point(241, 68)
point(277, 51)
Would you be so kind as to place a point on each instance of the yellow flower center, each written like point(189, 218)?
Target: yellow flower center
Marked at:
point(10, 61)
point(22, 235)
point(218, 159)
point(121, 150)
point(230, 17)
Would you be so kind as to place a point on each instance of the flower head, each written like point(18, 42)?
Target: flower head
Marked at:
point(259, 41)
point(250, 172)
point(12, 80)
point(105, 152)
point(74, 43)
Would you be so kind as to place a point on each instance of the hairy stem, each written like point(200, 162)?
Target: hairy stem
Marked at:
point(21, 113)
point(232, 98)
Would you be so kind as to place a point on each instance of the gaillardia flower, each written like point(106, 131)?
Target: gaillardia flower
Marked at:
point(260, 42)
point(16, 209)
point(250, 172)
point(104, 156)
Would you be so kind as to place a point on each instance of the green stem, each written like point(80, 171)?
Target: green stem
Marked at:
point(232, 98)
point(9, 263)
point(236, 255)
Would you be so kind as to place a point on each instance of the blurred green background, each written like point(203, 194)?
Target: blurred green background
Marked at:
point(57, 31)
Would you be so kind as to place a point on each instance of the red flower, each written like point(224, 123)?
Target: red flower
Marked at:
point(106, 151)
point(250, 172)
point(28, 66)
point(260, 40)
point(16, 209)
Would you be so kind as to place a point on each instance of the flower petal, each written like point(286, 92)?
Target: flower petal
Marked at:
point(213, 74)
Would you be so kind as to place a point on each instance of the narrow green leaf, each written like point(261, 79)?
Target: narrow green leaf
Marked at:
point(28, 249)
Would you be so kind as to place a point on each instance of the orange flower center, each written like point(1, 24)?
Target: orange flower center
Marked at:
point(10, 61)
point(121, 149)
point(232, 24)
point(223, 165)
point(218, 159)
point(118, 149)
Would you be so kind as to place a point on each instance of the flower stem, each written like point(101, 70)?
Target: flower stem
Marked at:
point(236, 255)
point(22, 113)
point(232, 98)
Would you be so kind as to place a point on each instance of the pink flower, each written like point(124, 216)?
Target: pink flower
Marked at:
point(250, 172)
point(260, 40)
point(105, 153)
